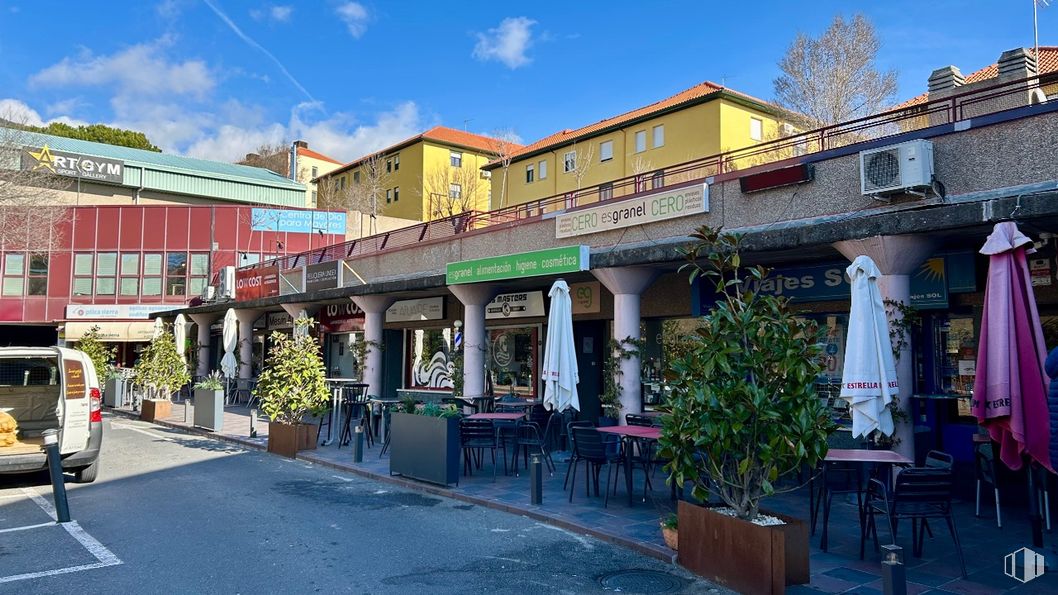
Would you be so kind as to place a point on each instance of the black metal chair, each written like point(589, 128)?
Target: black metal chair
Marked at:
point(919, 494)
point(594, 450)
point(569, 433)
point(527, 437)
point(354, 406)
point(936, 459)
point(985, 471)
point(244, 386)
point(476, 435)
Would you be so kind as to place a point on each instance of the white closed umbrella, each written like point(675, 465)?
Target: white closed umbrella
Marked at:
point(869, 380)
point(159, 328)
point(180, 334)
point(230, 338)
point(560, 371)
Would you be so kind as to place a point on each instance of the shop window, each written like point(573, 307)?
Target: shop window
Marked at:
point(37, 283)
point(641, 141)
point(529, 171)
point(176, 273)
point(430, 359)
point(512, 360)
point(606, 150)
point(455, 158)
point(659, 136)
point(543, 170)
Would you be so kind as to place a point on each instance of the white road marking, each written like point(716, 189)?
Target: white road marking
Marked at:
point(44, 573)
point(13, 529)
point(579, 538)
point(142, 431)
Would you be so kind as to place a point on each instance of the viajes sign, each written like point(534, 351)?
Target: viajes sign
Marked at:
point(671, 204)
point(553, 261)
point(73, 165)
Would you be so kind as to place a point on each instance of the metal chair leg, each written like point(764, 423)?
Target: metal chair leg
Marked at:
point(999, 518)
point(977, 507)
point(958, 546)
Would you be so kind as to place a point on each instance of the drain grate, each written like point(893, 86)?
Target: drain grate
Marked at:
point(641, 581)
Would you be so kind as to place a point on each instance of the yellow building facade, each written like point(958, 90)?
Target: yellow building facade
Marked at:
point(645, 143)
point(430, 176)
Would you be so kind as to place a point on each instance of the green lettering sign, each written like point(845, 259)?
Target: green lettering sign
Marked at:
point(553, 261)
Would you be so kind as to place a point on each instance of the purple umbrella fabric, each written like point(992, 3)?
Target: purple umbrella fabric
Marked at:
point(1010, 389)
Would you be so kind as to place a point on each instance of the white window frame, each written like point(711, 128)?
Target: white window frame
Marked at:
point(542, 171)
point(659, 136)
point(530, 174)
point(455, 191)
point(455, 158)
point(396, 193)
point(641, 141)
point(389, 195)
point(756, 125)
point(606, 150)
point(569, 161)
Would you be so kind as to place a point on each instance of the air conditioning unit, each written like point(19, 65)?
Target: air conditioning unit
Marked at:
point(209, 293)
point(788, 129)
point(896, 168)
point(485, 174)
point(227, 283)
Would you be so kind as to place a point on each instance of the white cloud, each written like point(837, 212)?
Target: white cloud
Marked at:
point(141, 69)
point(507, 43)
point(18, 112)
point(277, 12)
point(355, 17)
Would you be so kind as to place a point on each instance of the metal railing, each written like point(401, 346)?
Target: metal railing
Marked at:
point(947, 110)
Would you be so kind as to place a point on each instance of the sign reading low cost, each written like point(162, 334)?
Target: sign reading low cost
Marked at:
point(256, 283)
point(671, 204)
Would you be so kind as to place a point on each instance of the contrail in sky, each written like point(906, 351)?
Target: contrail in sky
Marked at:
point(250, 42)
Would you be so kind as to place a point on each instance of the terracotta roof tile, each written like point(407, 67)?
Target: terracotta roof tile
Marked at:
point(313, 154)
point(1048, 63)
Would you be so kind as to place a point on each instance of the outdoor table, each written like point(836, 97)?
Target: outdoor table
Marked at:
point(630, 434)
point(508, 417)
point(383, 427)
point(336, 385)
point(860, 457)
point(516, 404)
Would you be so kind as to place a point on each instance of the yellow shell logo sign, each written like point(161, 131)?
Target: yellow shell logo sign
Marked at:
point(44, 159)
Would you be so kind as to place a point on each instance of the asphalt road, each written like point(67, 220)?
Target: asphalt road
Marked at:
point(176, 513)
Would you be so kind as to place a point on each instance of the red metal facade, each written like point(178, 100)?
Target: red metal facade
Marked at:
point(222, 234)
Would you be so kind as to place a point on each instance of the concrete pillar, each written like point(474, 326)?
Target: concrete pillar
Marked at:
point(246, 320)
point(897, 258)
point(627, 285)
point(474, 298)
point(203, 322)
point(374, 307)
point(298, 310)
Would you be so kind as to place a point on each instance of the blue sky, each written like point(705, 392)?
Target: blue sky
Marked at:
point(217, 78)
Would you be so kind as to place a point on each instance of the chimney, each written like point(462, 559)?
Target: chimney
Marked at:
point(1017, 64)
point(944, 79)
point(301, 144)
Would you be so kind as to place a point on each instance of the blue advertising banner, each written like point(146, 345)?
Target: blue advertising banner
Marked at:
point(288, 220)
point(930, 285)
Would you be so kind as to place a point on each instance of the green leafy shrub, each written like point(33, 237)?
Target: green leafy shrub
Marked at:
point(743, 412)
point(215, 381)
point(435, 410)
point(98, 351)
point(293, 382)
point(160, 369)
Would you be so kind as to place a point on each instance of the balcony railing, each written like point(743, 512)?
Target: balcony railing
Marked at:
point(957, 107)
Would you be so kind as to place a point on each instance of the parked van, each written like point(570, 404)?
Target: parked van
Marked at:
point(51, 387)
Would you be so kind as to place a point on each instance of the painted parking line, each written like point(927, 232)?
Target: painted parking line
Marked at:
point(100, 552)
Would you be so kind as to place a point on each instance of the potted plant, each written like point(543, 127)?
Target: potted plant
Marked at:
point(209, 402)
point(742, 415)
point(292, 385)
point(160, 372)
point(612, 378)
point(101, 356)
point(669, 531)
point(424, 443)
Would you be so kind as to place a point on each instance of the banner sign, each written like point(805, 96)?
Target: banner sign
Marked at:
point(114, 311)
point(516, 305)
point(414, 310)
point(321, 276)
point(295, 221)
point(553, 261)
point(74, 165)
point(279, 320)
point(342, 318)
point(671, 204)
point(586, 297)
point(255, 283)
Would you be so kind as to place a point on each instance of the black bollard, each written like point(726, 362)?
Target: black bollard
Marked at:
point(358, 444)
point(58, 484)
point(536, 480)
point(894, 579)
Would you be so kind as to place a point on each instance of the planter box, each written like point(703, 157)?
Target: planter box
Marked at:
point(209, 409)
point(741, 555)
point(287, 439)
point(424, 448)
point(155, 409)
point(114, 393)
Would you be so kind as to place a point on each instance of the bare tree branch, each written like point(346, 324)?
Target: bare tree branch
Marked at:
point(503, 142)
point(275, 157)
point(452, 190)
point(362, 192)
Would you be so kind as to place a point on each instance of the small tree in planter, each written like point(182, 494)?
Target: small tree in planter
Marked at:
point(161, 372)
point(209, 402)
point(97, 351)
point(743, 414)
point(292, 385)
point(424, 443)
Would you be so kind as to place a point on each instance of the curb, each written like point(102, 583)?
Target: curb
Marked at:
point(657, 553)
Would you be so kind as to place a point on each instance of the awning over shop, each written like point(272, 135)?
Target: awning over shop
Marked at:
point(112, 332)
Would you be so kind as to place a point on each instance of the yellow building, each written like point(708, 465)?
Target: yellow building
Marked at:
point(311, 165)
point(644, 143)
point(430, 176)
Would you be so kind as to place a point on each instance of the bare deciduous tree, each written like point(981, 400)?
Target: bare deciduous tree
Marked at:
point(361, 193)
point(275, 157)
point(503, 142)
point(582, 160)
point(452, 190)
point(32, 209)
point(834, 78)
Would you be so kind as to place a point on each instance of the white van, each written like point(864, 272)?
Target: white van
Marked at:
point(51, 387)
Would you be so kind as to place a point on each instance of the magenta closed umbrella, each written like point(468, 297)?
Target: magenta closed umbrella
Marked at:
point(1010, 389)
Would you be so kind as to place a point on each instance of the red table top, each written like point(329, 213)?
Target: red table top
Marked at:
point(856, 455)
point(498, 416)
point(633, 431)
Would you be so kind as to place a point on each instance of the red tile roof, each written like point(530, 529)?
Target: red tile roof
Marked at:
point(313, 154)
point(699, 92)
point(1048, 63)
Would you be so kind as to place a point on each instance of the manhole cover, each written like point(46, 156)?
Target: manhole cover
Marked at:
point(641, 581)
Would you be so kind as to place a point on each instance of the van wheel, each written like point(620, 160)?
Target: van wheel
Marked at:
point(87, 474)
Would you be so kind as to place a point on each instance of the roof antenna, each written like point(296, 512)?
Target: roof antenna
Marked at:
point(465, 122)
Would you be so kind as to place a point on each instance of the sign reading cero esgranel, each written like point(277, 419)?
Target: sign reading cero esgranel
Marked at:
point(553, 261)
point(671, 204)
point(72, 165)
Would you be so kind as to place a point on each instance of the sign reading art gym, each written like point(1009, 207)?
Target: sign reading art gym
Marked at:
point(72, 165)
point(553, 261)
point(671, 204)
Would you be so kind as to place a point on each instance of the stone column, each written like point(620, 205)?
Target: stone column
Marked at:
point(298, 310)
point(474, 298)
point(627, 285)
point(246, 320)
point(897, 258)
point(374, 307)
point(203, 322)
